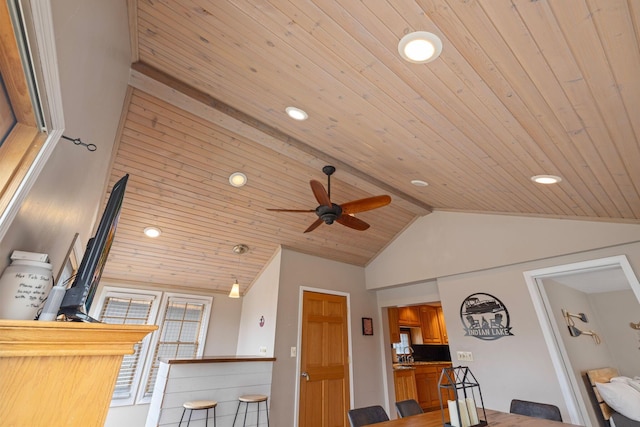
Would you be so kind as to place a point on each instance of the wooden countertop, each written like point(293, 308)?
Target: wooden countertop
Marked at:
point(218, 359)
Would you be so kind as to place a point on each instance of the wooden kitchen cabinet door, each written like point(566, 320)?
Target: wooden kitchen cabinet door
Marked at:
point(430, 325)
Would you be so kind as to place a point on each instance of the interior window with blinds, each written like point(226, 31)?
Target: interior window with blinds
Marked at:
point(125, 309)
point(181, 334)
point(182, 321)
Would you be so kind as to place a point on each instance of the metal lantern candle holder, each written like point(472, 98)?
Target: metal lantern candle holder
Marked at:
point(458, 382)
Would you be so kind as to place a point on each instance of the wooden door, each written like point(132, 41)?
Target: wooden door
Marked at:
point(324, 361)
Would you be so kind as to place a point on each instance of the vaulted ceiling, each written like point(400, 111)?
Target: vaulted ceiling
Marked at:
point(522, 88)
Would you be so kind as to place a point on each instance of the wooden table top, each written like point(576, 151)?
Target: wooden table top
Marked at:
point(495, 418)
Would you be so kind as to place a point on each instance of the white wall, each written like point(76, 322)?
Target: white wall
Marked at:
point(304, 270)
point(501, 249)
point(583, 353)
point(92, 42)
point(260, 301)
point(445, 243)
point(615, 310)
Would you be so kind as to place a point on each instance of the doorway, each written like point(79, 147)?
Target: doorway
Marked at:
point(619, 270)
point(324, 380)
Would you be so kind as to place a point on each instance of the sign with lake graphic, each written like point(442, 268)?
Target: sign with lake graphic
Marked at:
point(484, 317)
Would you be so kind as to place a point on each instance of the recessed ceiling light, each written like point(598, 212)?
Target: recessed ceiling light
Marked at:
point(419, 183)
point(237, 179)
point(296, 113)
point(152, 232)
point(546, 179)
point(420, 47)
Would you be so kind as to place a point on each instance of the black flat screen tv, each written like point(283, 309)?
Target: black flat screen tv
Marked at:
point(78, 298)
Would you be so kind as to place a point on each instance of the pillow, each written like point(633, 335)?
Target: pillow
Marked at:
point(621, 397)
point(635, 384)
point(621, 379)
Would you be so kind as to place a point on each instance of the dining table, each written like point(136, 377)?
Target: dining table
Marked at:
point(493, 418)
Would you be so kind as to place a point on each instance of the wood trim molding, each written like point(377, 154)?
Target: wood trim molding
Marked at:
point(36, 149)
point(33, 338)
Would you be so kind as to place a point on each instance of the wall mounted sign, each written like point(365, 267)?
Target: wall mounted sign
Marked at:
point(484, 317)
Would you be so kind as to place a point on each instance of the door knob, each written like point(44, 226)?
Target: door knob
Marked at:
point(306, 375)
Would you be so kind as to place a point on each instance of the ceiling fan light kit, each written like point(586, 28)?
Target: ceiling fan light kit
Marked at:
point(329, 212)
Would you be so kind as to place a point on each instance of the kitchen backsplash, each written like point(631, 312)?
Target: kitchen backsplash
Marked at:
point(431, 353)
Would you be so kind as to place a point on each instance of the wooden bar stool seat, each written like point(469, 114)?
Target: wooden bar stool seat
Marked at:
point(252, 398)
point(197, 405)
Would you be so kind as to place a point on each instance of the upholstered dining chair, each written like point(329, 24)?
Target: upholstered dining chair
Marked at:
point(368, 415)
point(406, 408)
point(535, 409)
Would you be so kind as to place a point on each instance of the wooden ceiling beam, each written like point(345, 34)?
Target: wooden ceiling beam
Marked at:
point(184, 96)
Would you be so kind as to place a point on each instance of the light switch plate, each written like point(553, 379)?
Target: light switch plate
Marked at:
point(294, 352)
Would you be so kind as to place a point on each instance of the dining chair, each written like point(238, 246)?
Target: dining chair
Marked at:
point(368, 415)
point(408, 407)
point(535, 409)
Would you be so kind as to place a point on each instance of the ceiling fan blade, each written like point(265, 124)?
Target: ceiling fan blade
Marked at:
point(321, 194)
point(291, 210)
point(353, 222)
point(367, 204)
point(314, 225)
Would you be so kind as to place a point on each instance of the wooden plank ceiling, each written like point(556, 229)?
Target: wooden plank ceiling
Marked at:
point(521, 88)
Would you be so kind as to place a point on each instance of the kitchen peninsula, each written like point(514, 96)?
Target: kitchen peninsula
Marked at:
point(222, 379)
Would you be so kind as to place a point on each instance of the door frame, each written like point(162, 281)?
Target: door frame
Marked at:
point(550, 330)
point(299, 342)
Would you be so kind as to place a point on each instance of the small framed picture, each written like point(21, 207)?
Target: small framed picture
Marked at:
point(367, 326)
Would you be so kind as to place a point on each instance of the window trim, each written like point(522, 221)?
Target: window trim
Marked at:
point(180, 297)
point(28, 145)
point(109, 291)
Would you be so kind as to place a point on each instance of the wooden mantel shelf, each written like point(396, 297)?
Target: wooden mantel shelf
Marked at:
point(61, 373)
point(32, 338)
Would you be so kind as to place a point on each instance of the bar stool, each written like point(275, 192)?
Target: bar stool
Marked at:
point(252, 398)
point(196, 405)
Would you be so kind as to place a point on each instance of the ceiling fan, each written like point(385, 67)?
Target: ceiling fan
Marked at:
point(329, 212)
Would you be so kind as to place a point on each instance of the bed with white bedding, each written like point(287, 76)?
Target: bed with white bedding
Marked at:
point(618, 397)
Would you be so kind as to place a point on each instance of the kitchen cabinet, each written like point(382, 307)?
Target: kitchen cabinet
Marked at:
point(427, 381)
point(394, 325)
point(430, 325)
point(444, 338)
point(409, 316)
point(405, 384)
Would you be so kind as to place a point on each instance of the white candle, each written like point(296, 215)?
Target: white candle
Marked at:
point(473, 412)
point(464, 413)
point(453, 413)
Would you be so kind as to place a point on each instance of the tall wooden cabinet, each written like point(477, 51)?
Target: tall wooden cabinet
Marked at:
point(61, 373)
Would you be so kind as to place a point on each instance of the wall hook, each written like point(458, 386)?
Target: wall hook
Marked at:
point(580, 316)
point(635, 325)
point(78, 141)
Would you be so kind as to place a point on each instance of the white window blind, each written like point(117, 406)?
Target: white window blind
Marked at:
point(134, 310)
point(181, 332)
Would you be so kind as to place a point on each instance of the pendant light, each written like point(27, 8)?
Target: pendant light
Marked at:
point(235, 289)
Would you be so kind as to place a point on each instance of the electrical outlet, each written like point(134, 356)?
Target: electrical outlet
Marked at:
point(464, 356)
point(263, 351)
